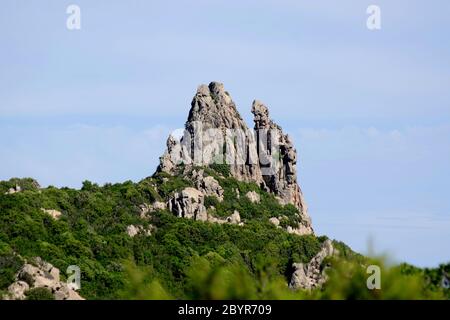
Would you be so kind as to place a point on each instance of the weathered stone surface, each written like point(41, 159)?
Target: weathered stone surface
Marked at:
point(64, 292)
point(309, 276)
point(40, 274)
point(216, 133)
point(13, 190)
point(174, 155)
point(213, 108)
point(234, 218)
point(188, 203)
point(16, 291)
point(208, 185)
point(202, 216)
point(275, 221)
point(146, 209)
point(281, 176)
point(253, 196)
point(55, 214)
point(158, 205)
point(300, 230)
point(133, 230)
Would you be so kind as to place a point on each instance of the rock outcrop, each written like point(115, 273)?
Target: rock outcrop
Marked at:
point(216, 133)
point(298, 229)
point(312, 275)
point(55, 214)
point(253, 196)
point(188, 203)
point(13, 190)
point(275, 221)
point(278, 159)
point(212, 125)
point(234, 218)
point(208, 185)
point(134, 230)
point(40, 274)
point(17, 290)
point(145, 209)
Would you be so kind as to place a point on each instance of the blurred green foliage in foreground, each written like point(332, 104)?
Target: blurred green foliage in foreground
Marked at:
point(210, 277)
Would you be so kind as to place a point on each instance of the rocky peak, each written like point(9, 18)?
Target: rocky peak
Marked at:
point(261, 115)
point(213, 106)
point(216, 133)
point(277, 151)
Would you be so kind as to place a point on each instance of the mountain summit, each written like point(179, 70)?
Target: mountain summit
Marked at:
point(216, 134)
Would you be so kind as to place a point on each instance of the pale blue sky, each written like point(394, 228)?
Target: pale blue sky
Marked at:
point(368, 111)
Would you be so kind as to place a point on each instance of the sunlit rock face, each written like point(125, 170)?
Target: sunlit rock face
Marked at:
point(216, 133)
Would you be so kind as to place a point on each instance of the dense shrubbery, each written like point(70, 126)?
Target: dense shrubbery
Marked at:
point(182, 259)
point(91, 234)
point(213, 277)
point(9, 265)
point(221, 168)
point(167, 184)
point(267, 208)
point(24, 184)
point(39, 294)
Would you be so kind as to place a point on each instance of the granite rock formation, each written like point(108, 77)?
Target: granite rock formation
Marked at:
point(40, 274)
point(312, 274)
point(216, 133)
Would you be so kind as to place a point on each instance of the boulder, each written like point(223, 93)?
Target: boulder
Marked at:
point(208, 185)
point(275, 221)
point(55, 214)
point(133, 230)
point(13, 190)
point(253, 196)
point(235, 218)
point(145, 209)
point(16, 291)
point(189, 203)
point(64, 292)
point(40, 274)
point(299, 230)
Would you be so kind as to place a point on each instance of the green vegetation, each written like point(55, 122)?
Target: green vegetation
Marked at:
point(268, 206)
point(182, 258)
point(91, 233)
point(39, 294)
point(212, 277)
point(167, 184)
point(221, 168)
point(24, 184)
point(9, 265)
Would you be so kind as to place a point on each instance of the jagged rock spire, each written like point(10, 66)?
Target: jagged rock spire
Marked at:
point(213, 106)
point(213, 125)
point(277, 148)
point(216, 132)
